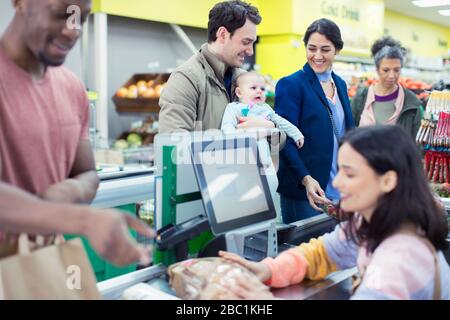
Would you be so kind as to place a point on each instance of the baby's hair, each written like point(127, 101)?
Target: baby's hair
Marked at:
point(246, 74)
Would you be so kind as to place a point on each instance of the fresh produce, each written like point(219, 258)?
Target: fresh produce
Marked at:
point(412, 84)
point(122, 92)
point(141, 89)
point(121, 144)
point(141, 134)
point(134, 139)
point(442, 190)
point(417, 86)
point(132, 92)
point(352, 91)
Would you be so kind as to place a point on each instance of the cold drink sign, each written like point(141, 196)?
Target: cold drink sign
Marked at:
point(330, 8)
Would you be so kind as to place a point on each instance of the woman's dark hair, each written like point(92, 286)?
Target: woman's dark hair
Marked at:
point(389, 48)
point(232, 15)
point(327, 28)
point(387, 148)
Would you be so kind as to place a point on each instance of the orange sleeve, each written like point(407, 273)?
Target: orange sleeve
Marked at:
point(287, 269)
point(308, 260)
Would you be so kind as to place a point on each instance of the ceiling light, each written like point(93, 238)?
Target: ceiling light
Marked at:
point(444, 12)
point(431, 3)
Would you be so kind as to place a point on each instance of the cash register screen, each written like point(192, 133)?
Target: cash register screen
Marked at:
point(232, 182)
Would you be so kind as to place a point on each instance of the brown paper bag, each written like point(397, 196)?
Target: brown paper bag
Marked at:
point(60, 271)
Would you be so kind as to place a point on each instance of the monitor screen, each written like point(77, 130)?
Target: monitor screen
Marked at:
point(234, 188)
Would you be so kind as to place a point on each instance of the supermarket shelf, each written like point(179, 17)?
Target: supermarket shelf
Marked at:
point(138, 109)
point(369, 61)
point(354, 59)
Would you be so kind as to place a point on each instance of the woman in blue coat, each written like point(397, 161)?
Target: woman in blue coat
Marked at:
point(315, 100)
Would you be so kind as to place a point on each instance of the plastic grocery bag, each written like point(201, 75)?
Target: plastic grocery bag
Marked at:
point(207, 278)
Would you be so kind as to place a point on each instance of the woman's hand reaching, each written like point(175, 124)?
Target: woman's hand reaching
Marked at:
point(261, 270)
point(242, 289)
point(314, 193)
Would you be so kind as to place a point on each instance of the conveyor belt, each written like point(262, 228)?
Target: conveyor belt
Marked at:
point(336, 286)
point(112, 289)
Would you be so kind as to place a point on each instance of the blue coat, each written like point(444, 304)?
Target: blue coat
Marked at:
point(299, 98)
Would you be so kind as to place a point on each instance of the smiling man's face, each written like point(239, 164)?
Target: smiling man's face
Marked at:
point(239, 45)
point(49, 30)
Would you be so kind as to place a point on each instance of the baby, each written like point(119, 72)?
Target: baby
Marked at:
point(250, 89)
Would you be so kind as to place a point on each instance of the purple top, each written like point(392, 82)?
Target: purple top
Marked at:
point(389, 97)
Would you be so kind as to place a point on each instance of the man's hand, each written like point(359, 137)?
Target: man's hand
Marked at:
point(254, 122)
point(66, 191)
point(314, 193)
point(107, 231)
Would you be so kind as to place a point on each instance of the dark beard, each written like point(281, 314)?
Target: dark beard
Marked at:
point(49, 62)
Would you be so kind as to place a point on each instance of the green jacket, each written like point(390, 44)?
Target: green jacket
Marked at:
point(409, 118)
point(195, 97)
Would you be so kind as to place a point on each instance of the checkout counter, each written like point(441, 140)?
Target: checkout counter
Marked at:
point(336, 286)
point(120, 186)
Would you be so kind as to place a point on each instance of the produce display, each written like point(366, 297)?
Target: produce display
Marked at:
point(136, 145)
point(141, 93)
point(141, 134)
point(413, 85)
point(417, 86)
point(442, 190)
point(141, 89)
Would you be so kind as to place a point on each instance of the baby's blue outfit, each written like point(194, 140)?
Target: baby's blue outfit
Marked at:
point(262, 110)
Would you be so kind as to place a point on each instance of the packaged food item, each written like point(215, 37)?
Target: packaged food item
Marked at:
point(143, 291)
point(330, 209)
point(208, 278)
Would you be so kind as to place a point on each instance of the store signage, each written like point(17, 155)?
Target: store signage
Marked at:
point(361, 22)
point(337, 10)
point(423, 38)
